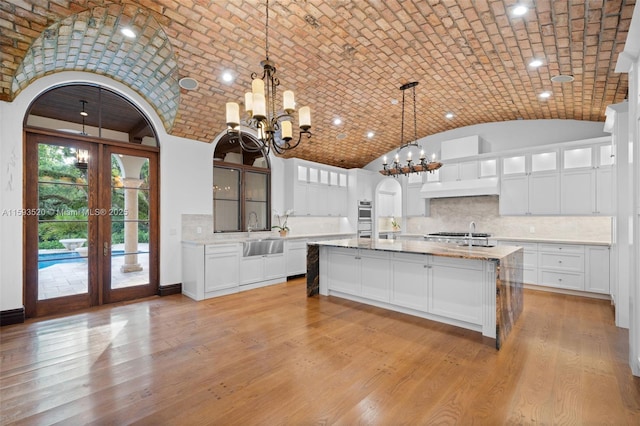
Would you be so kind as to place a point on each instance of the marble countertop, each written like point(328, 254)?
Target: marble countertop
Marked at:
point(424, 247)
point(533, 240)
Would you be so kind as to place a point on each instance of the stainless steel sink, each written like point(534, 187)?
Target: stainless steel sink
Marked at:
point(262, 247)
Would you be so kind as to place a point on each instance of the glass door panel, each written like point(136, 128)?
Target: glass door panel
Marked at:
point(128, 225)
point(63, 228)
point(226, 199)
point(129, 214)
point(256, 188)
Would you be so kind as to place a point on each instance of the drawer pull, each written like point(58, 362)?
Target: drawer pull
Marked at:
point(560, 279)
point(559, 261)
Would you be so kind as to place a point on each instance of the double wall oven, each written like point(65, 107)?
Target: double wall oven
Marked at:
point(365, 219)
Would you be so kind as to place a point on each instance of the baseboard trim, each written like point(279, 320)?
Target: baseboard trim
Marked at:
point(12, 316)
point(166, 290)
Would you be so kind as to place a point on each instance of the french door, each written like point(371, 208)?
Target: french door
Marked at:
point(91, 223)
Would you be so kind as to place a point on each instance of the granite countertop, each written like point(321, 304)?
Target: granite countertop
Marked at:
point(424, 247)
point(533, 240)
point(240, 237)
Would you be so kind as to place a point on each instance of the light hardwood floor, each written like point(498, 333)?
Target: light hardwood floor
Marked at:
point(273, 356)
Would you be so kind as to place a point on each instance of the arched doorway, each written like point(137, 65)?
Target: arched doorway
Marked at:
point(91, 201)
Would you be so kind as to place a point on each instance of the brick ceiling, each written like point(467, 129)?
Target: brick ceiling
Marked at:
point(348, 58)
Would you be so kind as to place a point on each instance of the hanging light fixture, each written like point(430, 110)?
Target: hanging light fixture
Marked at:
point(274, 127)
point(411, 167)
point(82, 155)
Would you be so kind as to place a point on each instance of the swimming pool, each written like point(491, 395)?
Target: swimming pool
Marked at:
point(50, 259)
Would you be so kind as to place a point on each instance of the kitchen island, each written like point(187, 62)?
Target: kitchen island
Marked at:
point(477, 288)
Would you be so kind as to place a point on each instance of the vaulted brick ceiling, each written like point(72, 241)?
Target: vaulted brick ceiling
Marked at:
point(344, 58)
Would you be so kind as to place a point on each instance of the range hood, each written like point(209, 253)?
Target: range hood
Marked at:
point(461, 188)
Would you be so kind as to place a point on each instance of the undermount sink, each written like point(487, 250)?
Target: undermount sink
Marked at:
point(262, 246)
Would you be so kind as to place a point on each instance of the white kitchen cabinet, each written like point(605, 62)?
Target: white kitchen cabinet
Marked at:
point(314, 189)
point(576, 267)
point(530, 184)
point(251, 270)
point(344, 274)
point(410, 280)
point(586, 183)
point(561, 265)
point(465, 170)
point(317, 198)
point(337, 199)
point(296, 257)
point(221, 267)
point(488, 167)
point(264, 269)
point(210, 270)
point(456, 289)
point(374, 275)
point(274, 267)
point(597, 269)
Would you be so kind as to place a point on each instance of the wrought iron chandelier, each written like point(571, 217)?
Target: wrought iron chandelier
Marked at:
point(273, 126)
point(82, 155)
point(411, 167)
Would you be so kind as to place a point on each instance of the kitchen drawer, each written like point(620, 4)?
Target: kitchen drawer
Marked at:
point(561, 248)
point(563, 262)
point(572, 281)
point(221, 248)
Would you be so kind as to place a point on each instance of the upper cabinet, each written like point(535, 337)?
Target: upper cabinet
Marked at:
point(586, 180)
point(314, 189)
point(530, 184)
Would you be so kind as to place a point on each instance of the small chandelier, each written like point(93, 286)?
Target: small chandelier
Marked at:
point(82, 155)
point(274, 127)
point(411, 167)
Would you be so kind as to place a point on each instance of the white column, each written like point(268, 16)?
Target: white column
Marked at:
point(131, 264)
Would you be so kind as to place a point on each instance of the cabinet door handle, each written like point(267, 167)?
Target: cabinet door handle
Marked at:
point(559, 261)
point(357, 258)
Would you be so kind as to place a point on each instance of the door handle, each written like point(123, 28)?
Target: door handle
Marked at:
point(105, 249)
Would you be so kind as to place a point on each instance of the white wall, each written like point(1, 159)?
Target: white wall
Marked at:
point(506, 135)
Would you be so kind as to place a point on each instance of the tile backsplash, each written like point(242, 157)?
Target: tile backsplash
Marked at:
point(455, 215)
point(199, 227)
point(447, 214)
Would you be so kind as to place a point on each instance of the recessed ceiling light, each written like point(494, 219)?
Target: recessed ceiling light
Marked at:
point(188, 83)
point(544, 95)
point(337, 121)
point(535, 63)
point(449, 115)
point(519, 10)
point(562, 78)
point(128, 32)
point(227, 76)
point(370, 135)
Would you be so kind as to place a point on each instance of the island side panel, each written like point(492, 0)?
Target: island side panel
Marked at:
point(313, 269)
point(509, 294)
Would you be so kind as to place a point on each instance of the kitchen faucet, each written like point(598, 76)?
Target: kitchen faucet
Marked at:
point(249, 222)
point(472, 229)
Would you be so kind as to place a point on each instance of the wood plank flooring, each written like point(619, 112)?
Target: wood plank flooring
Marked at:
point(272, 356)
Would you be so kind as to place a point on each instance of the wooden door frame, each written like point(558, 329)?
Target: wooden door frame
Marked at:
point(95, 296)
point(108, 295)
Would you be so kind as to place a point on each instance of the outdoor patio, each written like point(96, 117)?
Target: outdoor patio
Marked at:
point(65, 279)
